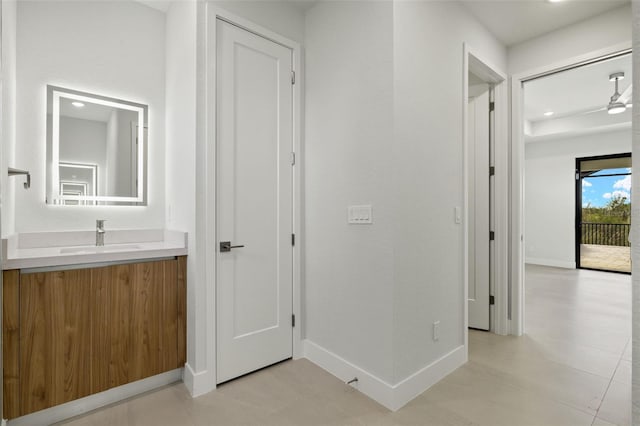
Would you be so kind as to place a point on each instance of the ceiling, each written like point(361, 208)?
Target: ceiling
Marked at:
point(160, 5)
point(514, 21)
point(163, 5)
point(89, 111)
point(575, 91)
point(510, 21)
point(577, 97)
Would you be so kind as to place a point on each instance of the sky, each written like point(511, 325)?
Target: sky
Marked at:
point(597, 191)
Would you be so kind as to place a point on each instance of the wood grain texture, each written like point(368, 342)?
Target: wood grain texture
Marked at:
point(79, 332)
point(33, 395)
point(169, 317)
point(55, 338)
point(118, 327)
point(182, 310)
point(76, 339)
point(11, 343)
point(100, 302)
point(145, 320)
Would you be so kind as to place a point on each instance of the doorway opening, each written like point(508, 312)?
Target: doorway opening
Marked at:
point(603, 213)
point(256, 137)
point(560, 114)
point(486, 186)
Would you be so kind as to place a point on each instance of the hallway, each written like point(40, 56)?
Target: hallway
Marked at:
point(577, 346)
point(573, 367)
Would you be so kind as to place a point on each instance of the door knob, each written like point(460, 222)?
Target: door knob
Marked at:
point(226, 246)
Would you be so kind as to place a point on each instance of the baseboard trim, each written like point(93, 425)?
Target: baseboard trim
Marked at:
point(197, 383)
point(423, 379)
point(550, 262)
point(367, 383)
point(392, 397)
point(92, 402)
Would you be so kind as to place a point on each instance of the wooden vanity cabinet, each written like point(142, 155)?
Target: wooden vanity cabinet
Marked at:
point(71, 333)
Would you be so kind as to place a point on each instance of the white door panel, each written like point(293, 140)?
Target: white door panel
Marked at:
point(479, 199)
point(254, 195)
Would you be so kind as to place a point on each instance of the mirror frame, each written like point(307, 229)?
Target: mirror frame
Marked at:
point(54, 196)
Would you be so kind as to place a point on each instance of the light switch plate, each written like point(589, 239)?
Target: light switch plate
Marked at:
point(360, 215)
point(457, 214)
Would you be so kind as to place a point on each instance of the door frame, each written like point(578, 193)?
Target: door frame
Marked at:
point(517, 201)
point(578, 204)
point(475, 62)
point(206, 205)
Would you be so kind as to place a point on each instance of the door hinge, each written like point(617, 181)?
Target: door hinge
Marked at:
point(293, 77)
point(492, 300)
point(492, 171)
point(577, 176)
point(293, 239)
point(492, 106)
point(492, 235)
point(293, 320)
point(293, 158)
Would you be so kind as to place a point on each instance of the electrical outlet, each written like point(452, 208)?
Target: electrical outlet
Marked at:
point(436, 331)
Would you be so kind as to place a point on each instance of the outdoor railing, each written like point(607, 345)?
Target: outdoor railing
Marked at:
point(606, 234)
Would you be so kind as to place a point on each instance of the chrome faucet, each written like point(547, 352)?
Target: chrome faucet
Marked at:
point(100, 232)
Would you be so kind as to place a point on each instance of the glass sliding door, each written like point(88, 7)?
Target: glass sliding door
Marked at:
point(603, 213)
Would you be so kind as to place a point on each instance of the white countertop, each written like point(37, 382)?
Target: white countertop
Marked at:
point(44, 249)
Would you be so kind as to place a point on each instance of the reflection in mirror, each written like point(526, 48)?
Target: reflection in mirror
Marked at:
point(78, 180)
point(95, 149)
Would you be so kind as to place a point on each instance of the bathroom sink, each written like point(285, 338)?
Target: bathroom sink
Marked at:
point(99, 249)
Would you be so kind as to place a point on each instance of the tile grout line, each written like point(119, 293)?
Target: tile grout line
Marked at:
point(610, 381)
point(539, 393)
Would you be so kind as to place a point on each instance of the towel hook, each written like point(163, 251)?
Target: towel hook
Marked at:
point(15, 172)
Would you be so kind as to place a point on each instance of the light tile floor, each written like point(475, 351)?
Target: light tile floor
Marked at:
point(571, 368)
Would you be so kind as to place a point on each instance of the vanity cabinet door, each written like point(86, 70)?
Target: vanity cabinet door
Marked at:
point(11, 343)
point(135, 317)
point(55, 338)
point(72, 333)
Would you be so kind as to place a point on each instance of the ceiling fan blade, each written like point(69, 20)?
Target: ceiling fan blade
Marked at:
point(625, 97)
point(604, 108)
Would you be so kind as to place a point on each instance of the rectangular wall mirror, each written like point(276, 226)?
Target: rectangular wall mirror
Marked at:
point(96, 149)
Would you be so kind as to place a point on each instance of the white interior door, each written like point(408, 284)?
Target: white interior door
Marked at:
point(479, 210)
point(254, 198)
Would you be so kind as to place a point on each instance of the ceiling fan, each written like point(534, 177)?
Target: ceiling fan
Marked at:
point(619, 102)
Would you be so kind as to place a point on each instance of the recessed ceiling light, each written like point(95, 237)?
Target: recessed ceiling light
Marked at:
point(554, 1)
point(77, 104)
point(629, 105)
point(548, 113)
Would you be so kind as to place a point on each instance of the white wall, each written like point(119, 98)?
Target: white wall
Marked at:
point(600, 32)
point(111, 154)
point(125, 140)
point(8, 119)
point(550, 193)
point(185, 161)
point(384, 126)
point(427, 153)
point(110, 48)
point(349, 134)
point(180, 164)
point(282, 17)
point(635, 230)
point(75, 148)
